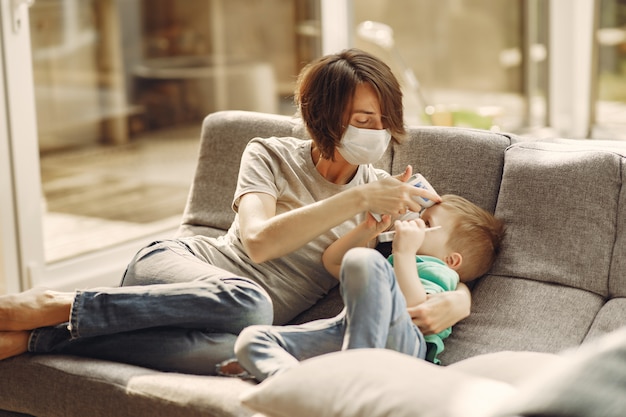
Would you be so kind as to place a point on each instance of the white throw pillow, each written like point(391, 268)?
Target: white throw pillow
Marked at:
point(590, 381)
point(512, 367)
point(374, 382)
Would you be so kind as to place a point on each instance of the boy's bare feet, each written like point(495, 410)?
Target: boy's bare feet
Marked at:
point(34, 308)
point(13, 343)
point(231, 368)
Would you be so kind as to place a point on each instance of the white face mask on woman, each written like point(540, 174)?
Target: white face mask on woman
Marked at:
point(363, 146)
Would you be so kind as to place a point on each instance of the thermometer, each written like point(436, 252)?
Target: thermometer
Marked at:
point(388, 236)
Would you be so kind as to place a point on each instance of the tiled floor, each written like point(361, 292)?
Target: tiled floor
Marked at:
point(100, 196)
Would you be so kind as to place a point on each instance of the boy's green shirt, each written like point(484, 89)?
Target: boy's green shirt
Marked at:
point(436, 277)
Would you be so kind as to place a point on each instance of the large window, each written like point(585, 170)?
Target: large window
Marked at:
point(113, 94)
point(610, 41)
point(104, 98)
point(462, 62)
point(121, 88)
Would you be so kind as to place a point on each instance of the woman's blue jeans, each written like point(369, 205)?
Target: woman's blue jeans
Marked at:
point(375, 316)
point(188, 322)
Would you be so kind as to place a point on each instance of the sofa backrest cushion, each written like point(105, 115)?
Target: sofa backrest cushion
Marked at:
point(617, 275)
point(560, 203)
point(563, 204)
point(466, 162)
point(224, 136)
point(439, 153)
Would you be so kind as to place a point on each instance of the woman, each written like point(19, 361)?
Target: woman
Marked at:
point(293, 199)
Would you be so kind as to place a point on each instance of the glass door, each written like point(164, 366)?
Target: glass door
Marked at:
point(102, 100)
point(106, 179)
point(105, 100)
point(20, 225)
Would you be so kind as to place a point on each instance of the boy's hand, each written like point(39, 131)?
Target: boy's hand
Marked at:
point(409, 236)
point(375, 226)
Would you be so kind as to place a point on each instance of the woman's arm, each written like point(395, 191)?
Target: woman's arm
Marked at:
point(442, 310)
point(266, 235)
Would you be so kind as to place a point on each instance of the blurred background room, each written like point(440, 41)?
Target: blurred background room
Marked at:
point(120, 88)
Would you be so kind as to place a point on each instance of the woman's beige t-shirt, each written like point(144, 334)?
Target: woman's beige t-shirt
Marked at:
point(284, 169)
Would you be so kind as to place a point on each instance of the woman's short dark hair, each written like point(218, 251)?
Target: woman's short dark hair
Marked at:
point(325, 90)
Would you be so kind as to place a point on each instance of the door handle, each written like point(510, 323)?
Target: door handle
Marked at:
point(17, 13)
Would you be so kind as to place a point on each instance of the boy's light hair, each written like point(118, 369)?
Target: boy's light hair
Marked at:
point(477, 235)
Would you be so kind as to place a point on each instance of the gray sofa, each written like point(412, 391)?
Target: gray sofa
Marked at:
point(560, 281)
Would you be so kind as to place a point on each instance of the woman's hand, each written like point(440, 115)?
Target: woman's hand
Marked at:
point(377, 227)
point(404, 176)
point(442, 310)
point(393, 196)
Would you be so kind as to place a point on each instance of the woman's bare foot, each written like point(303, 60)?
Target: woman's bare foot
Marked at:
point(34, 308)
point(13, 343)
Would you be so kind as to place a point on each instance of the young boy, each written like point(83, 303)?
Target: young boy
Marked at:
point(455, 240)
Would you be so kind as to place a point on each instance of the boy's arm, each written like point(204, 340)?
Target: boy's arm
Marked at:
point(409, 237)
point(360, 236)
point(442, 310)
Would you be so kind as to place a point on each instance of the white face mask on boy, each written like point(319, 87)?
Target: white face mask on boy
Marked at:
point(363, 146)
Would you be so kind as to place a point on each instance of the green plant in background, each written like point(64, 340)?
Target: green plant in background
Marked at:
point(612, 86)
point(478, 118)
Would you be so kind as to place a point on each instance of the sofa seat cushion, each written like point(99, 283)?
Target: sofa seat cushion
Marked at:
point(610, 317)
point(89, 387)
point(520, 314)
